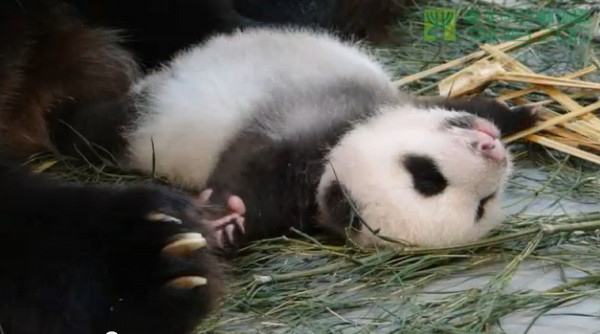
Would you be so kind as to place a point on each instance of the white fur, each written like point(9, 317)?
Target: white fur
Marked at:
point(208, 93)
point(367, 161)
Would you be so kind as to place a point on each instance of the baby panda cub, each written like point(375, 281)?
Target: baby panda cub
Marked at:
point(310, 131)
point(89, 259)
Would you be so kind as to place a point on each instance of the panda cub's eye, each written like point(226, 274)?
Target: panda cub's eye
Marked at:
point(481, 206)
point(463, 122)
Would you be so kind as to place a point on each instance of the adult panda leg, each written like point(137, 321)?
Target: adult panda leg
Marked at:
point(157, 29)
point(87, 259)
point(508, 120)
point(49, 55)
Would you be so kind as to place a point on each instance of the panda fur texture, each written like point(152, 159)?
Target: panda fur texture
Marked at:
point(295, 120)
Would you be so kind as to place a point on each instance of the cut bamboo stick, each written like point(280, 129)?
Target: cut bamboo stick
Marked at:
point(545, 80)
point(565, 148)
point(471, 79)
point(523, 92)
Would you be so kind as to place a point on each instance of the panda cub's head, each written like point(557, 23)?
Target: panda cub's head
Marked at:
point(426, 177)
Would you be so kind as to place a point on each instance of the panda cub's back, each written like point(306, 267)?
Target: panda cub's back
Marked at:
point(279, 82)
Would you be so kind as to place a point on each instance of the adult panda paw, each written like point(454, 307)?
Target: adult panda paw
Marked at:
point(228, 224)
point(92, 259)
point(164, 262)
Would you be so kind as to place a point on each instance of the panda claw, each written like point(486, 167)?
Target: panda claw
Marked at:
point(205, 196)
point(185, 244)
point(187, 282)
point(161, 217)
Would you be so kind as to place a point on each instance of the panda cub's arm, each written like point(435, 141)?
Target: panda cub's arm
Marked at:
point(89, 259)
point(508, 120)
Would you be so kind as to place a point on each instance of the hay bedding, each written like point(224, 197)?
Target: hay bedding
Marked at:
point(540, 273)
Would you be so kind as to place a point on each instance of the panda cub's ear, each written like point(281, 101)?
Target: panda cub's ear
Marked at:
point(427, 178)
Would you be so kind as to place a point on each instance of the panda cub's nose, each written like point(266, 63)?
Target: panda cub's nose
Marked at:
point(489, 146)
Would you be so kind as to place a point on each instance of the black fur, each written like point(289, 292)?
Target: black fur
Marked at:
point(427, 178)
point(83, 259)
point(351, 18)
point(92, 130)
point(277, 182)
point(50, 55)
point(156, 29)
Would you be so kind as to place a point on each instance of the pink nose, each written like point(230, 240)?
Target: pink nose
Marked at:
point(489, 146)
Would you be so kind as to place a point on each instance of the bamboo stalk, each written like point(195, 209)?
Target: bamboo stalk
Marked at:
point(522, 92)
point(538, 79)
point(564, 148)
point(511, 96)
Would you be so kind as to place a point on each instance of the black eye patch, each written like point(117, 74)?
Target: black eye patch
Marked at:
point(481, 206)
point(427, 178)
